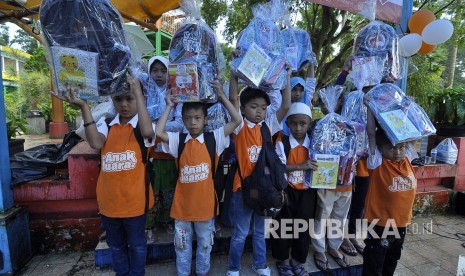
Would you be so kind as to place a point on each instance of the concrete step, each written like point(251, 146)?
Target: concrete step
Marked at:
point(62, 209)
point(432, 199)
point(161, 249)
point(53, 188)
point(63, 235)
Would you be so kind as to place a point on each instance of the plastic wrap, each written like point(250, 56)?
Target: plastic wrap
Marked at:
point(367, 8)
point(103, 109)
point(155, 99)
point(447, 151)
point(401, 119)
point(335, 135)
point(268, 64)
point(217, 114)
point(380, 40)
point(196, 43)
point(298, 48)
point(86, 46)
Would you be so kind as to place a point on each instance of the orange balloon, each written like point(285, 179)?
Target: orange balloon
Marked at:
point(426, 48)
point(419, 20)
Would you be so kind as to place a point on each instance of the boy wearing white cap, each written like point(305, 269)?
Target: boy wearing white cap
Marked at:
point(293, 151)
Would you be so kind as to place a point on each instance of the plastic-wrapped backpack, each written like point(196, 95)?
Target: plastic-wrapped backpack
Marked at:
point(263, 32)
point(195, 42)
point(93, 26)
point(401, 119)
point(335, 135)
point(298, 48)
point(379, 39)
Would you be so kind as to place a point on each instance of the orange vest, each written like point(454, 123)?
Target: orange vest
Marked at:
point(157, 152)
point(297, 155)
point(194, 197)
point(362, 169)
point(121, 183)
point(248, 144)
point(391, 193)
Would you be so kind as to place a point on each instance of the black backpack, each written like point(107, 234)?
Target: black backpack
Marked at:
point(210, 143)
point(264, 189)
point(145, 160)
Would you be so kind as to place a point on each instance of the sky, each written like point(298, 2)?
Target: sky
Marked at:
point(12, 30)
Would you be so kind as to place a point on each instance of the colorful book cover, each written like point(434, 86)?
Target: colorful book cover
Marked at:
point(184, 81)
point(399, 125)
point(291, 57)
point(254, 64)
point(325, 177)
point(75, 68)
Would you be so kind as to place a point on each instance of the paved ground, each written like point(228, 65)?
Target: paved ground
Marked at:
point(33, 140)
point(424, 253)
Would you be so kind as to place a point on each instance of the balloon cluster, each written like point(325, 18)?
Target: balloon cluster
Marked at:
point(426, 32)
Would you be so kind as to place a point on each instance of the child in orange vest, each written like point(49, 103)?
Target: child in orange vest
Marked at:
point(195, 201)
point(293, 151)
point(389, 201)
point(124, 193)
point(248, 142)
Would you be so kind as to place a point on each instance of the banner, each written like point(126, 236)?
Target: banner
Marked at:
point(387, 10)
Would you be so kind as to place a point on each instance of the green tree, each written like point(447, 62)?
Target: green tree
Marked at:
point(27, 43)
point(212, 18)
point(4, 35)
point(37, 62)
point(34, 87)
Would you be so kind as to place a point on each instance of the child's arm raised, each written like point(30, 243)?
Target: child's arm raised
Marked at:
point(233, 85)
point(286, 103)
point(233, 91)
point(145, 123)
point(371, 131)
point(96, 139)
point(161, 132)
point(235, 118)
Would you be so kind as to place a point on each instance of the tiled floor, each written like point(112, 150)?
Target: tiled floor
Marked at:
point(424, 253)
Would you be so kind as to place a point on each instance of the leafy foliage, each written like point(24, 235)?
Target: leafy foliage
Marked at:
point(15, 122)
point(4, 35)
point(27, 43)
point(37, 62)
point(448, 107)
point(427, 81)
point(34, 87)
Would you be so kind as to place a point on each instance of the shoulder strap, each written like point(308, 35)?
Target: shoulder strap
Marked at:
point(108, 121)
point(286, 144)
point(210, 142)
point(140, 141)
point(266, 134)
point(182, 138)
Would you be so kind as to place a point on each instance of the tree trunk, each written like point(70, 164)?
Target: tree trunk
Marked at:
point(452, 57)
point(451, 62)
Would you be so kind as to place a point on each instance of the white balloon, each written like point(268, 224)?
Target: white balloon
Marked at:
point(437, 32)
point(410, 44)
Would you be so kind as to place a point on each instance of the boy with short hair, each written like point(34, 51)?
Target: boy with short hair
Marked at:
point(389, 201)
point(123, 191)
point(248, 142)
point(293, 151)
point(195, 201)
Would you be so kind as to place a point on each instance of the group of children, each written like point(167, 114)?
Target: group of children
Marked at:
point(130, 140)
